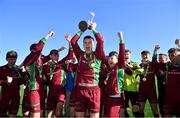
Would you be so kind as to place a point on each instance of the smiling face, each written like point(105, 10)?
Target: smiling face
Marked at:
point(112, 61)
point(54, 57)
point(173, 52)
point(172, 55)
point(88, 45)
point(162, 58)
point(127, 56)
point(11, 58)
point(145, 57)
point(11, 61)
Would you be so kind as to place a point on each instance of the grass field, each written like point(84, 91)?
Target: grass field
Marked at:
point(148, 112)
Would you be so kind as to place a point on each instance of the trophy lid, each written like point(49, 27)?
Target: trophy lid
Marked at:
point(83, 25)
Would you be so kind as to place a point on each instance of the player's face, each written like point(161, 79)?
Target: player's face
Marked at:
point(173, 55)
point(88, 45)
point(11, 61)
point(127, 55)
point(145, 57)
point(54, 57)
point(162, 58)
point(112, 61)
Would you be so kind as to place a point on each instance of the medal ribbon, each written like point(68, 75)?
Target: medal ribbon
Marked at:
point(52, 67)
point(90, 60)
point(39, 69)
point(146, 71)
point(166, 72)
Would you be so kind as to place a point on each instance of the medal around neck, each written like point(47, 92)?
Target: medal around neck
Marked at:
point(144, 79)
point(91, 64)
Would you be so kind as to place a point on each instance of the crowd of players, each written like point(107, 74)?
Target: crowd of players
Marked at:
point(89, 83)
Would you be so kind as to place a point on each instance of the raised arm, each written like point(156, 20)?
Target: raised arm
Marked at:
point(45, 59)
point(70, 53)
point(121, 58)
point(36, 51)
point(100, 42)
point(61, 48)
point(77, 50)
point(2, 77)
point(154, 58)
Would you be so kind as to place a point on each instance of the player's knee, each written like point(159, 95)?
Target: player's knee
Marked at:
point(135, 108)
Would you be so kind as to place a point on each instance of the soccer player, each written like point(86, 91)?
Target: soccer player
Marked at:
point(114, 80)
point(11, 77)
point(131, 84)
point(103, 75)
point(33, 62)
point(172, 98)
point(161, 79)
point(70, 80)
point(89, 62)
point(56, 79)
point(147, 88)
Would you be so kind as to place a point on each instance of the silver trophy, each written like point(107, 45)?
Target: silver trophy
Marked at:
point(92, 18)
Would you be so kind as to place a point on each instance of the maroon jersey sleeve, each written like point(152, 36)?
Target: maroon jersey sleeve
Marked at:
point(45, 59)
point(2, 82)
point(154, 60)
point(77, 50)
point(33, 56)
point(74, 67)
point(100, 54)
point(46, 74)
point(24, 78)
point(69, 56)
point(71, 67)
point(121, 58)
point(160, 69)
point(2, 76)
point(128, 70)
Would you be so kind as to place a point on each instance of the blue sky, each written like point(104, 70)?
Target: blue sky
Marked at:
point(144, 23)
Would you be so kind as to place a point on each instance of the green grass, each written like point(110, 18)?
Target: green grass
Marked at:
point(147, 110)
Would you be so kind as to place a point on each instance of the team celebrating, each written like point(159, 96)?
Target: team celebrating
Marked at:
point(89, 83)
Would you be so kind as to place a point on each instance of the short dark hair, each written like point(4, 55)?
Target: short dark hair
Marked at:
point(127, 50)
point(113, 53)
point(11, 54)
point(54, 51)
point(172, 50)
point(88, 37)
point(145, 52)
point(162, 54)
point(32, 46)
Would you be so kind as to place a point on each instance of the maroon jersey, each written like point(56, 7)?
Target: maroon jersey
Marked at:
point(147, 79)
point(115, 77)
point(34, 63)
point(55, 73)
point(13, 72)
point(89, 64)
point(172, 85)
point(161, 69)
point(10, 92)
point(102, 79)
